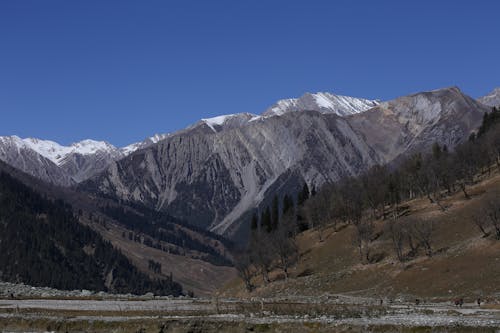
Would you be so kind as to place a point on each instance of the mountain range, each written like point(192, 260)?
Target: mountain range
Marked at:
point(218, 170)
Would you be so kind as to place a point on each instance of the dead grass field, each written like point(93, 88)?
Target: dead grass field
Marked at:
point(464, 263)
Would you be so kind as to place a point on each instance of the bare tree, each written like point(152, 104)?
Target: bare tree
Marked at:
point(481, 222)
point(318, 212)
point(374, 183)
point(406, 226)
point(261, 253)
point(364, 230)
point(423, 231)
point(284, 244)
point(244, 268)
point(398, 234)
point(492, 212)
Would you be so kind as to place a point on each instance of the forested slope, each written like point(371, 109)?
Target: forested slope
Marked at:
point(42, 244)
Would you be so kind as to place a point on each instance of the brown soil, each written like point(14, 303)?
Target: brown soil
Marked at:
point(464, 263)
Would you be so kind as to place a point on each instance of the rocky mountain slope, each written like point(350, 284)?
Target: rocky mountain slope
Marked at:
point(64, 165)
point(212, 174)
point(492, 99)
point(19, 153)
point(212, 178)
point(68, 165)
point(414, 122)
point(322, 102)
point(215, 171)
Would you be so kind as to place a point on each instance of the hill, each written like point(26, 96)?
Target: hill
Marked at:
point(43, 244)
point(464, 263)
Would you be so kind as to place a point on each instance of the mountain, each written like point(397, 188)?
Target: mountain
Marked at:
point(216, 171)
point(492, 99)
point(198, 260)
point(211, 178)
point(43, 244)
point(65, 165)
point(213, 173)
point(143, 144)
point(21, 154)
point(322, 102)
point(412, 123)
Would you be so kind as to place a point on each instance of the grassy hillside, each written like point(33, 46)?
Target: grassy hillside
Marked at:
point(463, 263)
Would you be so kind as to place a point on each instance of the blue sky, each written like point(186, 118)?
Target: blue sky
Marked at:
point(123, 70)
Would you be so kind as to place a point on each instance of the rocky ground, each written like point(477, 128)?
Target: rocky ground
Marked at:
point(20, 290)
point(333, 313)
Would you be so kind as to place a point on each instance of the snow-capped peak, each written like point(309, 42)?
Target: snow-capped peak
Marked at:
point(492, 99)
point(127, 150)
point(228, 120)
point(56, 152)
point(323, 102)
point(219, 120)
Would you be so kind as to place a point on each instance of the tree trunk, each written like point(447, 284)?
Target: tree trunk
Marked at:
point(462, 187)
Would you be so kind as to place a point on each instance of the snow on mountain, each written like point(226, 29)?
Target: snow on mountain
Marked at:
point(20, 154)
point(492, 99)
point(227, 121)
point(127, 150)
point(323, 102)
point(57, 153)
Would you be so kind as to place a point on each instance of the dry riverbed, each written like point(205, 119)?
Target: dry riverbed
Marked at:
point(333, 314)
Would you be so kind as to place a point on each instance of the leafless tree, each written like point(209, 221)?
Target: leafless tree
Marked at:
point(318, 212)
point(492, 211)
point(364, 231)
point(244, 268)
point(284, 245)
point(261, 255)
point(398, 235)
point(423, 230)
point(481, 222)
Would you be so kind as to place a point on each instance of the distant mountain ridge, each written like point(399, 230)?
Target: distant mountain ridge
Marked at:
point(65, 165)
point(69, 165)
point(215, 171)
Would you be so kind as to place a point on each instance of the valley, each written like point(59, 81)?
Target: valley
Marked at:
point(355, 216)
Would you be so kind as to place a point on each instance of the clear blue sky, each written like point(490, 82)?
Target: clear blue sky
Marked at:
point(124, 70)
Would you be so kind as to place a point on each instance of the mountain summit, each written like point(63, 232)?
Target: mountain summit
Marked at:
point(322, 102)
point(492, 99)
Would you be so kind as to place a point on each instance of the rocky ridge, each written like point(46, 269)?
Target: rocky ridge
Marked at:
point(214, 174)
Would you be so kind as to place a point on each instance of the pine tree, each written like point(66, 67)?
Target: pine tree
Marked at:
point(287, 204)
point(275, 213)
point(303, 195)
point(266, 220)
point(255, 222)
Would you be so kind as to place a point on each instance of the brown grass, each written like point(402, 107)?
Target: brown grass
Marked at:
point(464, 263)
